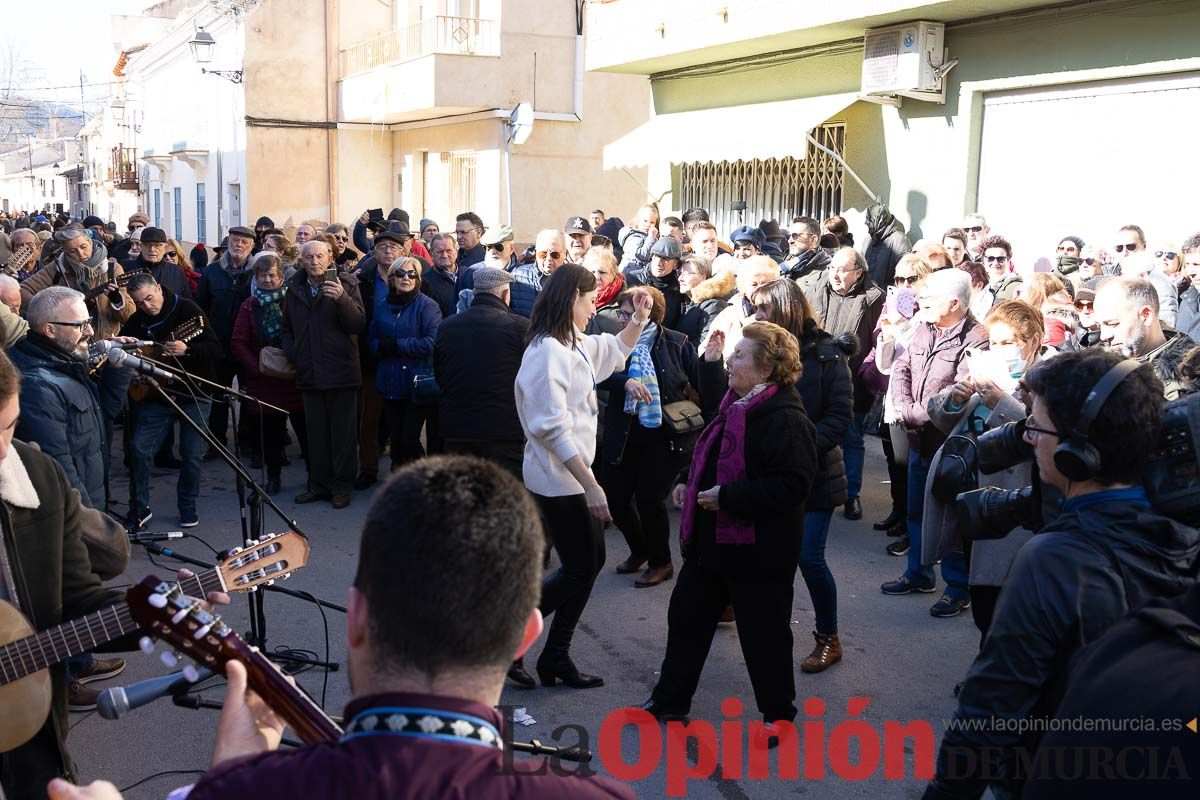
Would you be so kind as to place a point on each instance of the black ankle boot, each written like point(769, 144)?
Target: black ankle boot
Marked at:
point(889, 522)
point(518, 675)
point(554, 667)
point(273, 481)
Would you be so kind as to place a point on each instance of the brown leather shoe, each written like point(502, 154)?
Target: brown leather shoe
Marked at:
point(101, 670)
point(309, 496)
point(81, 698)
point(827, 653)
point(654, 576)
point(340, 500)
point(631, 565)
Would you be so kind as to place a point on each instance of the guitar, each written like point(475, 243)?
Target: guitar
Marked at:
point(119, 280)
point(166, 613)
point(184, 333)
point(19, 265)
point(24, 678)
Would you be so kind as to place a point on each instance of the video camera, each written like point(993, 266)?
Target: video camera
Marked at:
point(1171, 478)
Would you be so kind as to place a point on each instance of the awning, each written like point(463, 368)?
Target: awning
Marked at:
point(732, 133)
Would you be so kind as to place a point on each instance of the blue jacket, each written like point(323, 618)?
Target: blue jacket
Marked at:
point(64, 411)
point(527, 285)
point(402, 338)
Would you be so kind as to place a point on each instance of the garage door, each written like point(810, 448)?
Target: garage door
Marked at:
point(1085, 159)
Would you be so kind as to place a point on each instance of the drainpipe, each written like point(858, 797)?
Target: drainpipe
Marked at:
point(332, 73)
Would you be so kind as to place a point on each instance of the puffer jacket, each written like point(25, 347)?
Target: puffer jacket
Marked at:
point(707, 299)
point(635, 246)
point(402, 338)
point(855, 313)
point(525, 288)
point(1106, 554)
point(888, 244)
point(1166, 360)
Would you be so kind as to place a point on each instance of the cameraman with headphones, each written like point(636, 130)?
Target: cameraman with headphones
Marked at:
point(1094, 419)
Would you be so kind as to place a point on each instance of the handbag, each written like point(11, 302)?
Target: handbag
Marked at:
point(273, 363)
point(425, 389)
point(683, 423)
point(958, 468)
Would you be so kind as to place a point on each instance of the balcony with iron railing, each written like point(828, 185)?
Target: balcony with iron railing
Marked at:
point(122, 170)
point(419, 70)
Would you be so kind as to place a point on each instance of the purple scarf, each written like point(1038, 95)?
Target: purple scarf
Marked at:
point(729, 429)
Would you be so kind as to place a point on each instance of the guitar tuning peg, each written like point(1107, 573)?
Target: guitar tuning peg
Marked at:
point(190, 674)
point(146, 645)
point(169, 659)
point(157, 600)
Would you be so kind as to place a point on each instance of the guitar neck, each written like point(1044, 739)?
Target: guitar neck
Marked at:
point(298, 710)
point(34, 653)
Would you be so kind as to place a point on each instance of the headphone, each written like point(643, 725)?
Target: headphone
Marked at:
point(1075, 457)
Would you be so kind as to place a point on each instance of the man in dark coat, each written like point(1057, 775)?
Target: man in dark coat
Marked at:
point(1107, 552)
point(224, 286)
point(475, 359)
point(441, 282)
point(888, 244)
point(322, 316)
point(662, 274)
point(1127, 309)
point(151, 259)
point(468, 228)
point(806, 260)
point(847, 301)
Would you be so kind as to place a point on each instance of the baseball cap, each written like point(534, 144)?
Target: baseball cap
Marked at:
point(577, 225)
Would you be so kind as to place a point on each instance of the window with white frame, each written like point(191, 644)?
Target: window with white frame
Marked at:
point(177, 197)
point(201, 223)
point(775, 188)
point(158, 208)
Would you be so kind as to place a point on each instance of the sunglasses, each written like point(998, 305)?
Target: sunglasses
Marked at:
point(554, 254)
point(171, 254)
point(1122, 248)
point(1091, 262)
point(907, 280)
point(1165, 254)
point(793, 236)
point(342, 238)
point(974, 229)
point(1083, 305)
point(995, 259)
point(406, 273)
point(495, 248)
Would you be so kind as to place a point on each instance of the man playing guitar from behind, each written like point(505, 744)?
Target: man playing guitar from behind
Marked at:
point(160, 315)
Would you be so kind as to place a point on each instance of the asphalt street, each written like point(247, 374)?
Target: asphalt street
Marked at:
point(904, 661)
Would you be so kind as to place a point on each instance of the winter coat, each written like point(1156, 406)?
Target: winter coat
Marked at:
point(888, 244)
point(402, 338)
point(990, 558)
point(476, 357)
point(221, 295)
point(250, 337)
point(934, 360)
point(781, 466)
point(1166, 360)
point(611, 228)
point(203, 352)
point(806, 270)
point(319, 334)
point(107, 320)
point(707, 299)
point(169, 276)
point(668, 285)
point(54, 581)
point(63, 412)
point(855, 313)
point(526, 287)
point(677, 368)
point(730, 322)
point(441, 287)
point(1188, 320)
point(468, 258)
point(825, 390)
point(1086, 569)
point(635, 246)
point(1004, 289)
point(1157, 650)
point(368, 287)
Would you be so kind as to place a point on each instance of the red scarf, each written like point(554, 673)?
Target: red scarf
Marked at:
point(605, 294)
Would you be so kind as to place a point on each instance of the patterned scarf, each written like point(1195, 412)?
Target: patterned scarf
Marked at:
point(272, 313)
point(641, 369)
point(725, 440)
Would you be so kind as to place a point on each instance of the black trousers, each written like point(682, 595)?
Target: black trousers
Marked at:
point(405, 420)
point(983, 608)
point(509, 455)
point(331, 426)
point(638, 489)
point(218, 413)
point(578, 539)
point(764, 609)
point(268, 431)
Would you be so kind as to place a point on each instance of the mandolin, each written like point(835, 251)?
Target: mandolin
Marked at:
point(22, 263)
point(163, 611)
point(184, 333)
point(24, 678)
point(120, 280)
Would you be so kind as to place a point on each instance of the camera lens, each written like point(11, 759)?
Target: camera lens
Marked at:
point(993, 513)
point(1003, 447)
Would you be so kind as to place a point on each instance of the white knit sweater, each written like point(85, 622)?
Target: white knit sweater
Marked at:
point(556, 401)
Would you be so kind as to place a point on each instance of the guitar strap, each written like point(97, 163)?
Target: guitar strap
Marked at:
point(424, 723)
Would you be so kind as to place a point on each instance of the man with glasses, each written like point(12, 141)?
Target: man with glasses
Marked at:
point(549, 253)
point(1003, 284)
point(160, 312)
point(806, 260)
point(500, 252)
point(83, 265)
point(1085, 307)
point(1127, 309)
point(848, 303)
point(1107, 551)
point(1130, 239)
point(977, 230)
point(468, 227)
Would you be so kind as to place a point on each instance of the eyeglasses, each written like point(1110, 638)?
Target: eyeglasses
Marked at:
point(342, 238)
point(405, 273)
point(974, 229)
point(1084, 305)
point(624, 316)
point(995, 259)
point(907, 280)
point(87, 323)
point(1122, 248)
point(554, 254)
point(171, 254)
point(1091, 262)
point(1167, 254)
point(1032, 432)
point(792, 236)
point(845, 270)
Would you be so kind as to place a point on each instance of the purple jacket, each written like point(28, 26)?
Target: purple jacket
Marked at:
point(388, 766)
point(933, 361)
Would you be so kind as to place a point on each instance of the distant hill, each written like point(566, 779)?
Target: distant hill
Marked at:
point(21, 118)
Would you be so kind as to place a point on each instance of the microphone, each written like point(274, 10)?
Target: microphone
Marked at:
point(154, 536)
point(101, 348)
point(122, 359)
point(114, 703)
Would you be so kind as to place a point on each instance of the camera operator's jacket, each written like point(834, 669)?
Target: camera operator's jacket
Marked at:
point(1105, 554)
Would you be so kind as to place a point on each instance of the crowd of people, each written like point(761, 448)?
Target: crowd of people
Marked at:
point(618, 369)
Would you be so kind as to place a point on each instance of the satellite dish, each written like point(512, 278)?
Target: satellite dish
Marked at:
point(520, 123)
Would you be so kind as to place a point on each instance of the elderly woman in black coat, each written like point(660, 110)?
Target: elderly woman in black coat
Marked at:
point(742, 525)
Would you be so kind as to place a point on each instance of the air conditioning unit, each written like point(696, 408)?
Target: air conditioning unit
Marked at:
point(905, 61)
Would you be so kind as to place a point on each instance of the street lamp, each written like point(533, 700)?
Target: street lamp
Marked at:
point(203, 44)
point(517, 128)
point(118, 107)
